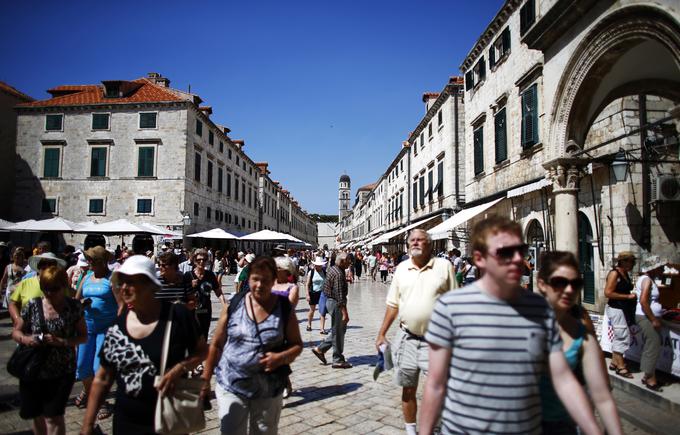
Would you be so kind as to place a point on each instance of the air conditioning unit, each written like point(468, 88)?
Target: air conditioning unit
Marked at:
point(666, 188)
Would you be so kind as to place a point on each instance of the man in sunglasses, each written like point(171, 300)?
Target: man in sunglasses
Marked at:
point(496, 339)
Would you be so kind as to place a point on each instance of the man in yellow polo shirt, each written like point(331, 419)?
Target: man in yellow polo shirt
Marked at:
point(416, 285)
point(29, 288)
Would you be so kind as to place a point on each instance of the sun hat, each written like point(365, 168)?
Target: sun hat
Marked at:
point(652, 262)
point(35, 260)
point(319, 261)
point(98, 253)
point(137, 265)
point(279, 248)
point(82, 261)
point(250, 258)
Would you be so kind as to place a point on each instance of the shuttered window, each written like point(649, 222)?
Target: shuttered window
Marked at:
point(147, 120)
point(527, 16)
point(415, 194)
point(220, 179)
point(430, 185)
point(54, 122)
point(197, 167)
point(422, 191)
point(440, 179)
point(98, 162)
point(51, 163)
point(145, 164)
point(469, 80)
point(479, 150)
point(100, 121)
point(210, 173)
point(530, 116)
point(501, 136)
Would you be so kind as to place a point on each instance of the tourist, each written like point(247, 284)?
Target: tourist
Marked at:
point(335, 289)
point(470, 271)
point(560, 283)
point(44, 399)
point(260, 336)
point(495, 339)
point(131, 353)
point(242, 277)
point(648, 317)
point(41, 248)
point(314, 284)
point(416, 285)
point(358, 263)
point(203, 285)
point(29, 288)
point(102, 306)
point(285, 269)
point(175, 286)
point(78, 271)
point(620, 310)
point(12, 275)
point(187, 265)
point(384, 266)
point(371, 264)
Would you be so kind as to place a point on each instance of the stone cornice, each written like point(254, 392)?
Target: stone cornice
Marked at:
point(490, 32)
point(556, 21)
point(108, 106)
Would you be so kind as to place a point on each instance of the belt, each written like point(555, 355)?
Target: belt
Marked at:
point(411, 334)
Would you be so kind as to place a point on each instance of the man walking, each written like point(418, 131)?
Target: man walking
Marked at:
point(495, 340)
point(335, 289)
point(372, 262)
point(416, 285)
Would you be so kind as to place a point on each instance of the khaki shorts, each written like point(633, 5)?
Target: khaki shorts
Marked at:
point(410, 357)
point(617, 321)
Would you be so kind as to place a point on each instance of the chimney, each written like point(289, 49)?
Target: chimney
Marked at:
point(429, 98)
point(158, 79)
point(207, 110)
point(262, 166)
point(240, 143)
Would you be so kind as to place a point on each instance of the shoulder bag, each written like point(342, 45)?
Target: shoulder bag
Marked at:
point(181, 411)
point(26, 361)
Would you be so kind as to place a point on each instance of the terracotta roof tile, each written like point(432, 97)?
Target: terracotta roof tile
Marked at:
point(430, 95)
point(78, 95)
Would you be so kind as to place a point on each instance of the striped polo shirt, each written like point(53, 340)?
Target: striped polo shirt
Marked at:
point(499, 352)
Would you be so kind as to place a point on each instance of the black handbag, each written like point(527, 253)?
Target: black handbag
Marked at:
point(26, 361)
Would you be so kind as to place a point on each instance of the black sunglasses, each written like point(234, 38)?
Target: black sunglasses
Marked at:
point(507, 253)
point(560, 283)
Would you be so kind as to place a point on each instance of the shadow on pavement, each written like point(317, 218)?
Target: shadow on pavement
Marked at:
point(361, 360)
point(312, 394)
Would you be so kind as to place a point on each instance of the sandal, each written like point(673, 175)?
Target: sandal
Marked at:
point(656, 387)
point(624, 373)
point(104, 412)
point(309, 328)
point(81, 400)
point(612, 367)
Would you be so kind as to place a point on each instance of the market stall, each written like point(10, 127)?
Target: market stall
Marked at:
point(669, 358)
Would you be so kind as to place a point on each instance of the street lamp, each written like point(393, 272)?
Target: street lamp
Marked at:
point(619, 166)
point(186, 219)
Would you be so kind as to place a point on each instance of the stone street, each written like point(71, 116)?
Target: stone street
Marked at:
point(324, 401)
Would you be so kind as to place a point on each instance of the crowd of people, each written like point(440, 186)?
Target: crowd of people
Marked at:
point(498, 356)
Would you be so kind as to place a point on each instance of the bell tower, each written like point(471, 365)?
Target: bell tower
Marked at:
point(343, 196)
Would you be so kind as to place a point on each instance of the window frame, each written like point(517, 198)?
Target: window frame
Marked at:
point(138, 148)
point(61, 125)
point(197, 166)
point(497, 145)
point(46, 200)
point(60, 149)
point(108, 121)
point(199, 128)
point(535, 140)
point(144, 198)
point(139, 123)
point(89, 206)
point(478, 164)
point(106, 160)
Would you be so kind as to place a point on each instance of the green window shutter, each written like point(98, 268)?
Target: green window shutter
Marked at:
point(415, 194)
point(53, 122)
point(530, 116)
point(492, 55)
point(98, 162)
point(422, 191)
point(501, 136)
point(146, 163)
point(506, 40)
point(197, 168)
point(440, 178)
point(100, 121)
point(96, 206)
point(147, 120)
point(469, 80)
point(199, 128)
point(144, 206)
point(211, 137)
point(482, 69)
point(479, 150)
point(51, 168)
point(49, 205)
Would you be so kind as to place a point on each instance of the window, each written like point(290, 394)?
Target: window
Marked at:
point(147, 119)
point(98, 162)
point(96, 206)
point(199, 128)
point(54, 122)
point(238, 161)
point(49, 205)
point(145, 162)
point(500, 48)
point(422, 191)
point(430, 183)
point(228, 184)
point(208, 214)
point(415, 194)
point(244, 165)
point(415, 147)
point(221, 146)
point(197, 168)
point(243, 222)
point(440, 118)
point(144, 205)
point(211, 138)
point(250, 196)
point(429, 130)
point(100, 121)
point(236, 189)
point(229, 153)
point(195, 209)
point(243, 193)
point(52, 162)
point(476, 75)
point(422, 140)
point(440, 180)
point(479, 150)
point(210, 173)
point(501, 136)
point(530, 116)
point(220, 177)
point(527, 16)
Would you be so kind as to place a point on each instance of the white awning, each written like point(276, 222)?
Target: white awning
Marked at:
point(387, 236)
point(531, 187)
point(441, 231)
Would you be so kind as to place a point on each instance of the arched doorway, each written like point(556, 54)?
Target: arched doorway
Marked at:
point(585, 258)
point(535, 238)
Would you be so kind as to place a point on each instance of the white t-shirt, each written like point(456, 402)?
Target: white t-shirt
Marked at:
point(654, 303)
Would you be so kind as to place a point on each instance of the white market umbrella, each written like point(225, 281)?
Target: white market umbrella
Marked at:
point(215, 233)
point(4, 225)
point(269, 236)
point(120, 226)
point(55, 224)
point(19, 226)
point(160, 230)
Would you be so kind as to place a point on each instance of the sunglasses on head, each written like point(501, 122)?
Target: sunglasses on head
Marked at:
point(507, 253)
point(560, 283)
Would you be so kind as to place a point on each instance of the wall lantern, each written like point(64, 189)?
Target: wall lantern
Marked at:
point(619, 166)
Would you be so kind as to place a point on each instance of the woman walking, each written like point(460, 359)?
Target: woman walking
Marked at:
point(12, 275)
point(560, 282)
point(314, 284)
point(131, 354)
point(620, 310)
point(383, 266)
point(54, 322)
point(203, 284)
point(260, 336)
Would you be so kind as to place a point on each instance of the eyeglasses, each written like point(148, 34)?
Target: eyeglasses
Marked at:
point(560, 283)
point(507, 253)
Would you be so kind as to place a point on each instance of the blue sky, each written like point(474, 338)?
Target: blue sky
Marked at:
point(316, 88)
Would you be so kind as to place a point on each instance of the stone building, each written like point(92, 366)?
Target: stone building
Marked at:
point(9, 97)
point(139, 150)
point(558, 93)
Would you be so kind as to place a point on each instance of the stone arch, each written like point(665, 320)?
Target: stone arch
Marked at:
point(598, 71)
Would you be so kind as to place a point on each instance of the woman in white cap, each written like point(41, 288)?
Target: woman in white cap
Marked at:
point(131, 354)
point(648, 317)
point(314, 284)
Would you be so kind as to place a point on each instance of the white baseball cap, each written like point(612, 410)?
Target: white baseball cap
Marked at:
point(137, 265)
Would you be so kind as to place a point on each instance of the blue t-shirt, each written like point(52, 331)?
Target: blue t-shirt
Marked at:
point(104, 308)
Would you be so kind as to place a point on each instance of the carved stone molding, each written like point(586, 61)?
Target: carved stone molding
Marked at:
point(565, 173)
